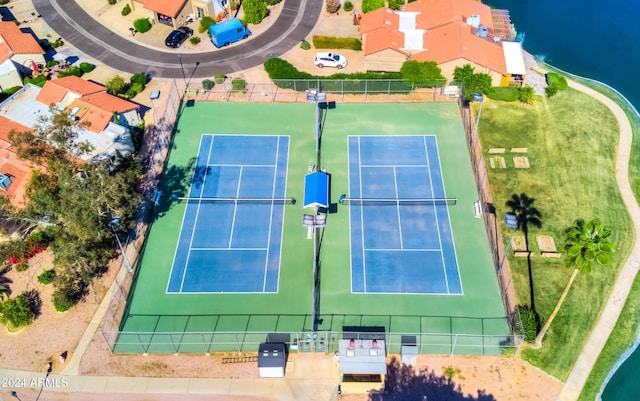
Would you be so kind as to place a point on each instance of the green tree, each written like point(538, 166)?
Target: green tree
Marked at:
point(526, 215)
point(463, 73)
point(426, 73)
point(472, 82)
point(142, 25)
point(17, 312)
point(254, 11)
point(115, 85)
point(586, 244)
point(205, 23)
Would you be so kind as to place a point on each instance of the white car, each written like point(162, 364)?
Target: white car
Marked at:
point(326, 59)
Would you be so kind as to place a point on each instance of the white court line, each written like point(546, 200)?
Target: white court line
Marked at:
point(273, 191)
point(402, 250)
point(364, 264)
point(283, 208)
point(240, 165)
point(350, 214)
point(453, 242)
point(175, 253)
point(227, 249)
point(235, 208)
point(395, 184)
point(195, 222)
point(435, 212)
point(395, 165)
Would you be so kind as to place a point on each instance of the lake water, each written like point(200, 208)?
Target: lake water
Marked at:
point(598, 40)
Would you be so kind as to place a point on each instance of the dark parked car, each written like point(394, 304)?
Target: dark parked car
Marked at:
point(178, 36)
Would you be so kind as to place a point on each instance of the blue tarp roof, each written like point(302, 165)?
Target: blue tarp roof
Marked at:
point(316, 190)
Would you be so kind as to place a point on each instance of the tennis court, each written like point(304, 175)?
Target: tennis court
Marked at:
point(401, 238)
point(190, 294)
point(231, 234)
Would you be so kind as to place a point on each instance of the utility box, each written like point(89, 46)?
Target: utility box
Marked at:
point(227, 32)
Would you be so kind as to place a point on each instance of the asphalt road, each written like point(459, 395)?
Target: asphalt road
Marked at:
point(75, 26)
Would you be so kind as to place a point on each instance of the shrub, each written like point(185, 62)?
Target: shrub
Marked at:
point(63, 300)
point(46, 277)
point(205, 23)
point(333, 6)
point(278, 68)
point(86, 67)
point(75, 71)
point(194, 40)
point(56, 43)
point(130, 93)
point(22, 265)
point(504, 93)
point(142, 25)
point(272, 2)
point(52, 63)
point(112, 2)
point(238, 84)
point(527, 94)
point(254, 11)
point(39, 80)
point(207, 84)
point(18, 311)
point(305, 45)
point(136, 87)
point(126, 10)
point(396, 4)
point(557, 80)
point(530, 322)
point(370, 5)
point(115, 85)
point(219, 78)
point(348, 6)
point(426, 73)
point(139, 78)
point(333, 42)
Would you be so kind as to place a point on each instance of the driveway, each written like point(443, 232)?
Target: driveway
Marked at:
point(71, 22)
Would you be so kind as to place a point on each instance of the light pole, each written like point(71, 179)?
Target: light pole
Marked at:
point(477, 97)
point(184, 76)
point(510, 221)
point(14, 395)
point(115, 221)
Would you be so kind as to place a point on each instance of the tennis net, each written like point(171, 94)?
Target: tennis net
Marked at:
point(397, 201)
point(265, 201)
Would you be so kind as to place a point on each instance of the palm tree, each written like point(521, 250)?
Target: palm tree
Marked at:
point(586, 243)
point(526, 215)
point(5, 291)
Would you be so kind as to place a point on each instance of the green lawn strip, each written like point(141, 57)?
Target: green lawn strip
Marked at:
point(623, 335)
point(626, 329)
point(571, 140)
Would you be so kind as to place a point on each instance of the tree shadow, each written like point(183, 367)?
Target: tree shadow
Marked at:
point(35, 301)
point(403, 383)
point(5, 281)
point(527, 215)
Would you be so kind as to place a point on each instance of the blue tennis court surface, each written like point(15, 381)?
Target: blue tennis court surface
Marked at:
point(399, 247)
point(229, 246)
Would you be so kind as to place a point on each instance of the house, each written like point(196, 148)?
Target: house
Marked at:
point(20, 54)
point(100, 119)
point(450, 32)
point(176, 13)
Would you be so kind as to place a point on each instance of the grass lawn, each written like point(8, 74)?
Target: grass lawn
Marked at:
point(571, 140)
point(626, 329)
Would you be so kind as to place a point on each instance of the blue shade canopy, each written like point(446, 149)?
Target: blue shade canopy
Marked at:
point(316, 190)
point(5, 181)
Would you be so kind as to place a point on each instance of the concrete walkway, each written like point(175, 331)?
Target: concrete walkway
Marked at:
point(587, 359)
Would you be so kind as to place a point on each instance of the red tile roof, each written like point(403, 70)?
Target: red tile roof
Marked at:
point(110, 103)
point(18, 41)
point(170, 8)
point(77, 85)
point(7, 126)
point(448, 36)
point(5, 50)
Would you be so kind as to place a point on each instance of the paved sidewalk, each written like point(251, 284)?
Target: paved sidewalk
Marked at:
point(587, 359)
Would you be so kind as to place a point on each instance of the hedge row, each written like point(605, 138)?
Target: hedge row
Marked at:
point(370, 5)
point(332, 42)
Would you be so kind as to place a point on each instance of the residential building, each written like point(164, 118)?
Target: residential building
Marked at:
point(450, 32)
point(176, 13)
point(101, 119)
point(20, 53)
